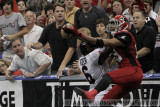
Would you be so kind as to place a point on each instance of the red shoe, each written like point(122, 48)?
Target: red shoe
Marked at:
point(86, 94)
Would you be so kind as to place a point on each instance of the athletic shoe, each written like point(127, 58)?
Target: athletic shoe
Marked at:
point(86, 94)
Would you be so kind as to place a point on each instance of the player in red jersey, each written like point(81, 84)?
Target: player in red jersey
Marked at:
point(129, 74)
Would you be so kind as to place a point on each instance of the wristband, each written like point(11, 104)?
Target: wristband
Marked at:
point(81, 35)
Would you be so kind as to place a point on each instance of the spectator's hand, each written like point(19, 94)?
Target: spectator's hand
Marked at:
point(158, 20)
point(71, 71)
point(9, 37)
point(29, 74)
point(75, 64)
point(29, 46)
point(8, 75)
point(60, 70)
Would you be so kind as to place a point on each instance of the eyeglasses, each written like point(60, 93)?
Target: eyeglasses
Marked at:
point(2, 65)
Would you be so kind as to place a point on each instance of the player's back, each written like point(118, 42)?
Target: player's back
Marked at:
point(92, 70)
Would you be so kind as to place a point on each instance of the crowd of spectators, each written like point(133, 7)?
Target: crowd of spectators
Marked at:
point(38, 23)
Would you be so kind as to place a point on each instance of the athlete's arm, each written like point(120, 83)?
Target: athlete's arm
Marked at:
point(104, 55)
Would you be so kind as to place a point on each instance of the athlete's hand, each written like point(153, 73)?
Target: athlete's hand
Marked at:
point(72, 31)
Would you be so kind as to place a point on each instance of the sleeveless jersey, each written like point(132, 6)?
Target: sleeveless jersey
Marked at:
point(129, 51)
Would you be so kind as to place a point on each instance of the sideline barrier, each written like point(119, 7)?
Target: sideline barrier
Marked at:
point(49, 91)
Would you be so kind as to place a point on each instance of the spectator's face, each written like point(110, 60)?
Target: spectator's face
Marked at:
point(59, 13)
point(39, 21)
point(18, 48)
point(69, 3)
point(117, 8)
point(51, 20)
point(100, 28)
point(50, 12)
point(148, 7)
point(21, 6)
point(29, 18)
point(7, 8)
point(138, 20)
point(86, 4)
point(129, 3)
point(3, 67)
point(135, 8)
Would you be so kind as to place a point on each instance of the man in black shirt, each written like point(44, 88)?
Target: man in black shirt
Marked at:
point(87, 16)
point(145, 40)
point(63, 50)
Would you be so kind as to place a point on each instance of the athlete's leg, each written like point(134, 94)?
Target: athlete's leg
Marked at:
point(122, 76)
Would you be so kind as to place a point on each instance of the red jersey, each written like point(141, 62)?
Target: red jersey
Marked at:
point(129, 51)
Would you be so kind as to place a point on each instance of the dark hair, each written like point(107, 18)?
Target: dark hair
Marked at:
point(123, 6)
point(102, 20)
point(48, 7)
point(58, 4)
point(22, 1)
point(142, 12)
point(148, 1)
point(9, 2)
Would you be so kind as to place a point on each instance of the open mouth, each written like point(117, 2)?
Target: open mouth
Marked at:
point(85, 3)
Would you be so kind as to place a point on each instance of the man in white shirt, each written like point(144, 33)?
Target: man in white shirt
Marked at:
point(34, 62)
point(149, 9)
point(34, 31)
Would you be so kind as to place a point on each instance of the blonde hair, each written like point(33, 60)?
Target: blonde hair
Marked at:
point(47, 21)
point(85, 31)
point(7, 63)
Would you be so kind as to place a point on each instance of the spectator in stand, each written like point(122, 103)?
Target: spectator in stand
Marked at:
point(149, 21)
point(156, 55)
point(63, 50)
point(87, 16)
point(4, 65)
point(15, 8)
point(70, 10)
point(49, 10)
point(128, 12)
point(157, 7)
point(145, 41)
point(50, 20)
point(36, 5)
point(149, 9)
point(40, 21)
point(22, 7)
point(106, 5)
point(12, 25)
point(117, 7)
point(34, 31)
point(34, 62)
